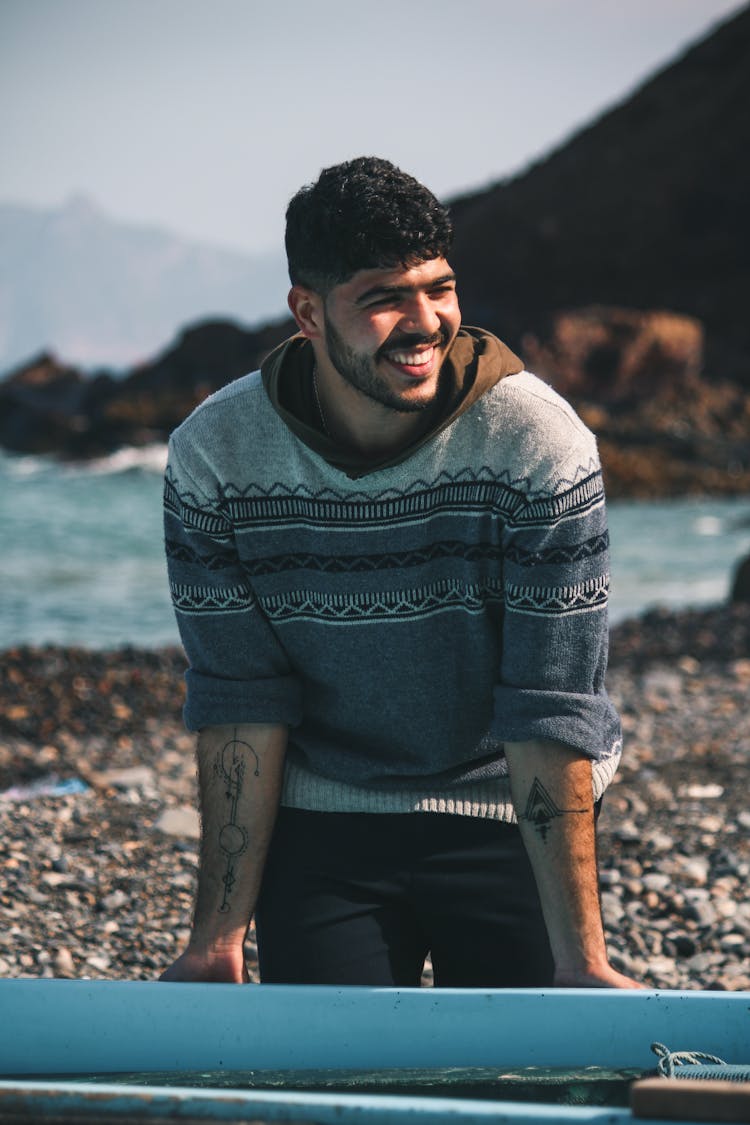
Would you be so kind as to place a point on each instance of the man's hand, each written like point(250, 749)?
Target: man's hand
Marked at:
point(552, 792)
point(606, 977)
point(226, 966)
point(239, 779)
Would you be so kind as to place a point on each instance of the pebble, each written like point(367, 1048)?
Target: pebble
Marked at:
point(181, 821)
point(656, 881)
point(63, 963)
point(100, 883)
point(695, 869)
point(114, 901)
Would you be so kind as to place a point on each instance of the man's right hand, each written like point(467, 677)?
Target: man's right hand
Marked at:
point(223, 967)
point(239, 775)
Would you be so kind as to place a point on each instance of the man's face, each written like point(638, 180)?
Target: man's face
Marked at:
point(387, 332)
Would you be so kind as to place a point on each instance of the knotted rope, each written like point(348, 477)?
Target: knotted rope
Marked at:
point(696, 1064)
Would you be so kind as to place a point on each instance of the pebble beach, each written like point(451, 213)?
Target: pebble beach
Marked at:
point(99, 833)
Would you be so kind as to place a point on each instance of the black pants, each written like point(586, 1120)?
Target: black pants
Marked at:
point(351, 898)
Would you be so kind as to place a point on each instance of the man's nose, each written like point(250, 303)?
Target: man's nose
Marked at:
point(420, 315)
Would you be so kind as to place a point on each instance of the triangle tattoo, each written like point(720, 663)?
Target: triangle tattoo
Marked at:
point(541, 809)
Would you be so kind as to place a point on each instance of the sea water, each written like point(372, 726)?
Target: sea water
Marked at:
point(82, 561)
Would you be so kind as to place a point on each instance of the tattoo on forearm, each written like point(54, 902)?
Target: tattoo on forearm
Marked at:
point(541, 809)
point(230, 766)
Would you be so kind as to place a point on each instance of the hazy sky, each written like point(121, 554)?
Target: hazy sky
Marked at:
point(204, 116)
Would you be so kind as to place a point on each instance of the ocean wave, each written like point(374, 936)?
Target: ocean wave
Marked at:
point(23, 465)
point(144, 458)
point(148, 458)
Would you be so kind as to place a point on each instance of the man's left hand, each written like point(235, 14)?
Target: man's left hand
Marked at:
point(606, 977)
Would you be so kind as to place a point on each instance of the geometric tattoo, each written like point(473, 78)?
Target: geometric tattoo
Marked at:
point(541, 810)
point(230, 767)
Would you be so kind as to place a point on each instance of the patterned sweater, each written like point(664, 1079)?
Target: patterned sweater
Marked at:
point(405, 623)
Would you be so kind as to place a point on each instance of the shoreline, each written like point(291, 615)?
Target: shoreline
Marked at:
point(99, 880)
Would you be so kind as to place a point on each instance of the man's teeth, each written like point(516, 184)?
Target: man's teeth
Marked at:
point(412, 359)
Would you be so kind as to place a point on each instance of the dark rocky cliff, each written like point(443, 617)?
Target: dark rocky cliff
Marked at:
point(617, 266)
point(646, 208)
point(49, 407)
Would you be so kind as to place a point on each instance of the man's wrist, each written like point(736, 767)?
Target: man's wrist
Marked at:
point(208, 942)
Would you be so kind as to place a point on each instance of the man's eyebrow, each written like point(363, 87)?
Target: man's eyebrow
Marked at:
point(394, 290)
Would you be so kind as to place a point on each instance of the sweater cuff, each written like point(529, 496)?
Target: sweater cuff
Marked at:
point(212, 701)
point(587, 723)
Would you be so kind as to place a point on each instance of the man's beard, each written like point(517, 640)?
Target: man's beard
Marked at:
point(360, 371)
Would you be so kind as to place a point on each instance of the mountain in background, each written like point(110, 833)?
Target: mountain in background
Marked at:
point(101, 292)
point(646, 208)
point(617, 267)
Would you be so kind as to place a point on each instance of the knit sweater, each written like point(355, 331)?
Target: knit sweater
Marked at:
point(403, 623)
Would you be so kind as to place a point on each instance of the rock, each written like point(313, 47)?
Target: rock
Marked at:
point(740, 591)
point(57, 878)
point(660, 841)
point(656, 915)
point(100, 962)
point(662, 966)
point(134, 777)
point(683, 944)
point(63, 963)
point(701, 792)
point(633, 888)
point(612, 908)
point(675, 241)
point(183, 821)
point(656, 881)
point(611, 355)
point(49, 407)
point(696, 870)
point(114, 901)
point(726, 862)
point(702, 912)
point(713, 824)
point(733, 942)
point(726, 908)
point(701, 962)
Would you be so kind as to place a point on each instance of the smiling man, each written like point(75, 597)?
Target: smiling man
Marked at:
point(388, 560)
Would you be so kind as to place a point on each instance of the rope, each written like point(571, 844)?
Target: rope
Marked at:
point(696, 1064)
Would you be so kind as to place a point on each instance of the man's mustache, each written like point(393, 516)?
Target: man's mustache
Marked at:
point(409, 340)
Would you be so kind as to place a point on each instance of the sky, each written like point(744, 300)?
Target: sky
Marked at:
point(204, 116)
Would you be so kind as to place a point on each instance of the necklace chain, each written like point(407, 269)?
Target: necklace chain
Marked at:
point(326, 431)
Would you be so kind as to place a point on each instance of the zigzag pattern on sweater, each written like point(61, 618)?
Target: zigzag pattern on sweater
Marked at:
point(393, 560)
point(282, 506)
point(484, 474)
point(401, 605)
point(366, 564)
point(584, 597)
point(574, 552)
point(186, 507)
point(338, 608)
point(180, 552)
point(211, 599)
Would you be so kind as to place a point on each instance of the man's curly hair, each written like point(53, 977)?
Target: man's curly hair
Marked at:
point(363, 214)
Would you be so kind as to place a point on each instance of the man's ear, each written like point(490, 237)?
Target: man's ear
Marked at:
point(307, 308)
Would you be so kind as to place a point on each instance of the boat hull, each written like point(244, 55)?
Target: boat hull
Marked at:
point(68, 1028)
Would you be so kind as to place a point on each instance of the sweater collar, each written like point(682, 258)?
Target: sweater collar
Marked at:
point(476, 361)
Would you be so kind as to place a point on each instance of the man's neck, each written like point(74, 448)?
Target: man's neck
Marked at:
point(359, 424)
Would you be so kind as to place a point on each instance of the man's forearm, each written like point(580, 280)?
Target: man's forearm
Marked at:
point(553, 796)
point(239, 774)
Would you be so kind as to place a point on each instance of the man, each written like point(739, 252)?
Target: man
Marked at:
point(388, 560)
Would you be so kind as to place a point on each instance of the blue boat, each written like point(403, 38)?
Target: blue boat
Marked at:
point(54, 1032)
